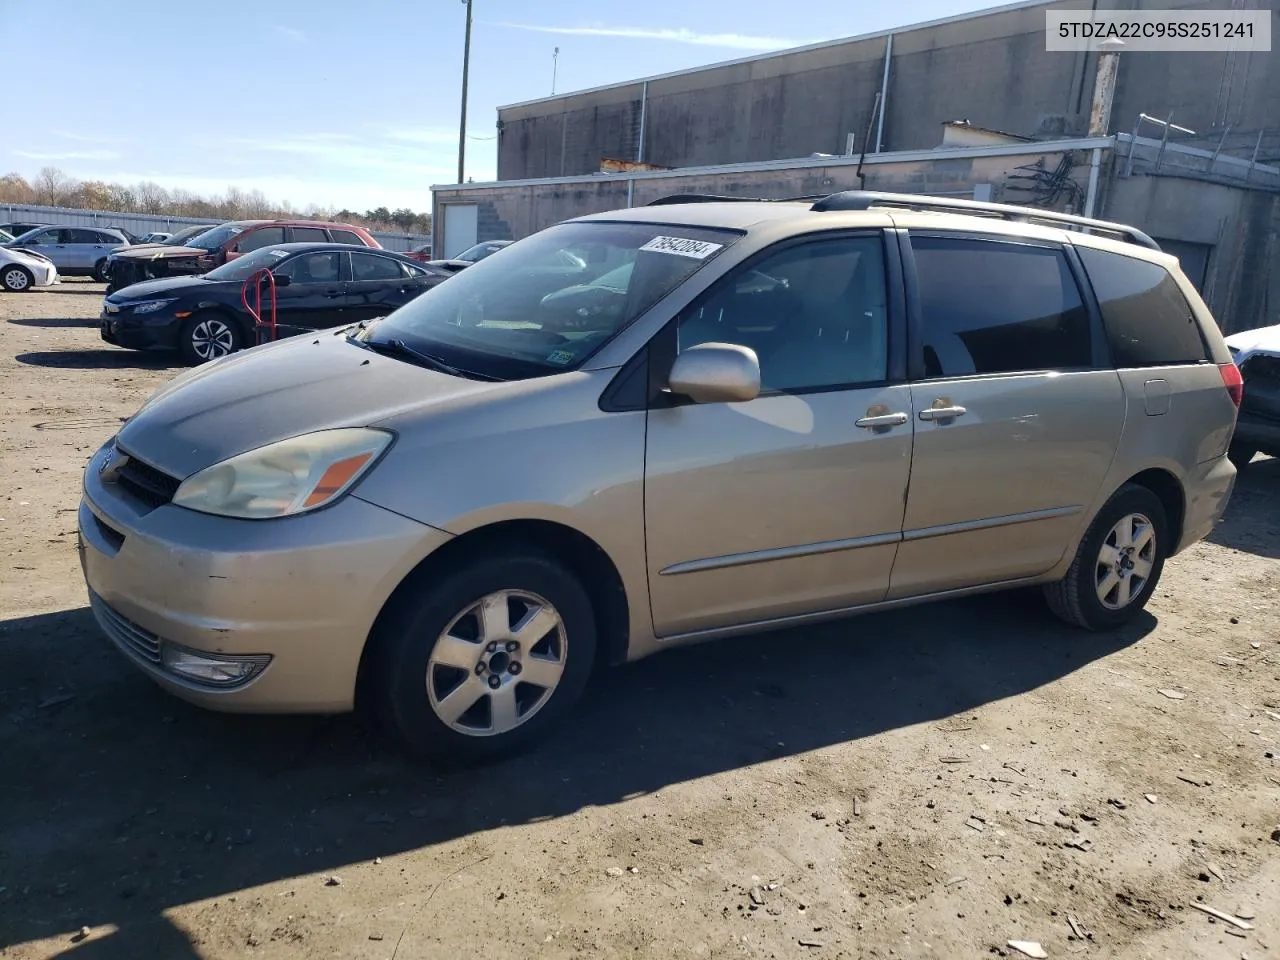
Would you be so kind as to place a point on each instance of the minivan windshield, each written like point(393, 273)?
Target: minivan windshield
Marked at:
point(552, 299)
point(215, 238)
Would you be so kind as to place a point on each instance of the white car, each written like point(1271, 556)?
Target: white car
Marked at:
point(22, 269)
point(1257, 354)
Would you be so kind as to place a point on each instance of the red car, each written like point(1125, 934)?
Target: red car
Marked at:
point(226, 242)
point(422, 254)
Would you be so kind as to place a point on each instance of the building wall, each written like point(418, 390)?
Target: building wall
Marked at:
point(991, 69)
point(1238, 226)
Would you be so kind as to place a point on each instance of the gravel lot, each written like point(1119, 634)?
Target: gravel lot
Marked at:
point(927, 783)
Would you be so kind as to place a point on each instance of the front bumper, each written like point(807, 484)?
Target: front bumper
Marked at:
point(304, 590)
point(1258, 431)
point(153, 331)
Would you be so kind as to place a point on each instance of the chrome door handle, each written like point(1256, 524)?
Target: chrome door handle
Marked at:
point(883, 420)
point(942, 413)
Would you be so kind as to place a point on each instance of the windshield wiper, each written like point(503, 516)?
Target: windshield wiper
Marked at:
point(398, 348)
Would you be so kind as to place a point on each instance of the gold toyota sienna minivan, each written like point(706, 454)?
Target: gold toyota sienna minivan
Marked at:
point(656, 426)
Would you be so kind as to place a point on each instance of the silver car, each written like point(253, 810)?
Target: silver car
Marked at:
point(75, 250)
point(658, 426)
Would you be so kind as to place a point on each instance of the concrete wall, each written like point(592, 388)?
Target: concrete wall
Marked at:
point(1239, 226)
point(991, 69)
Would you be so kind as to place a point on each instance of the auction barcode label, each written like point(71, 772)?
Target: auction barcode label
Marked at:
point(697, 249)
point(1168, 30)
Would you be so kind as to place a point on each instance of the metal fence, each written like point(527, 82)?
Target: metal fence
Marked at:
point(143, 223)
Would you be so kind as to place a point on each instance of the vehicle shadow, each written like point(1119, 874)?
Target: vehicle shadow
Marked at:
point(54, 322)
point(1251, 523)
point(125, 802)
point(108, 359)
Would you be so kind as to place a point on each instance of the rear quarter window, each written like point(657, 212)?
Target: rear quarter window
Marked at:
point(1149, 322)
point(346, 236)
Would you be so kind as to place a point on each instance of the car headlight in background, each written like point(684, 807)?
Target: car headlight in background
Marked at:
point(285, 478)
point(151, 306)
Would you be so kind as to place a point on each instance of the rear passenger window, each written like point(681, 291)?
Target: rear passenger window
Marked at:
point(309, 235)
point(365, 267)
point(1149, 322)
point(346, 236)
point(995, 307)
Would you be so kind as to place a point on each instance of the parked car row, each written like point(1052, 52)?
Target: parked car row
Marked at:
point(317, 285)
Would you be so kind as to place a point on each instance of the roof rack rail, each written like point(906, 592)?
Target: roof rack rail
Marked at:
point(700, 198)
point(712, 198)
point(866, 199)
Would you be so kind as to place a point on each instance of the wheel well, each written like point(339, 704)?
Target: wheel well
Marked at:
point(582, 555)
point(1166, 486)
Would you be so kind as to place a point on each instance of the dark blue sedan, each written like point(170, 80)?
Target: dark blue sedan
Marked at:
point(318, 285)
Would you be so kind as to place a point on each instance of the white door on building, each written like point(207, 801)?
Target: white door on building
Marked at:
point(461, 221)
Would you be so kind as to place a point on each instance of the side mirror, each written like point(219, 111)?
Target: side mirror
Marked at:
point(282, 280)
point(716, 373)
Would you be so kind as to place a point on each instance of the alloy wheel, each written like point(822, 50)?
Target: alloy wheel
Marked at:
point(1125, 561)
point(497, 663)
point(211, 339)
point(16, 280)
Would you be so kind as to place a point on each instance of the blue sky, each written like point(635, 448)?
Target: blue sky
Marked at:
point(339, 104)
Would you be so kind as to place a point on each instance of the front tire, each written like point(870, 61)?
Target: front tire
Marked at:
point(1118, 563)
point(100, 272)
point(208, 335)
point(16, 278)
point(484, 660)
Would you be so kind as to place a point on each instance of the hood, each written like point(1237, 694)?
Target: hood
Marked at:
point(450, 265)
point(164, 287)
point(1252, 341)
point(146, 251)
point(275, 392)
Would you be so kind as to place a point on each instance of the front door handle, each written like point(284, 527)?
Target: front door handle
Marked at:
point(882, 420)
point(333, 293)
point(942, 413)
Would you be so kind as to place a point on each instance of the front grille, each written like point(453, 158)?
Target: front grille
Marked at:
point(124, 633)
point(109, 533)
point(153, 487)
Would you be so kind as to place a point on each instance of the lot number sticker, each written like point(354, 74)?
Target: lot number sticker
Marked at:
point(694, 249)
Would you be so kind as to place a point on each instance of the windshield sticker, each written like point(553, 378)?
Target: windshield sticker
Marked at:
point(560, 357)
point(680, 247)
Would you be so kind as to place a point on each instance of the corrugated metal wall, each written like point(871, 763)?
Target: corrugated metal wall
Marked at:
point(141, 223)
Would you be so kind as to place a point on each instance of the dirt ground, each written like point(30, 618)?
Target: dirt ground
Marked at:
point(927, 783)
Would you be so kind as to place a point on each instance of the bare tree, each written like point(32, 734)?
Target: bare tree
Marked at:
point(53, 188)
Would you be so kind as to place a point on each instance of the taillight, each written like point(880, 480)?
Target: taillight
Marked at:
point(1232, 380)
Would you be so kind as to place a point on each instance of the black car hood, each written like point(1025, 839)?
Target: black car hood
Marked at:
point(451, 265)
point(164, 287)
point(158, 252)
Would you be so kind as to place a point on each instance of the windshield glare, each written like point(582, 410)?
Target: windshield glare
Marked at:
point(552, 299)
point(242, 268)
point(213, 239)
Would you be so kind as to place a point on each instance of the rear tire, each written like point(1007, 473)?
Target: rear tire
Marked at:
point(441, 681)
point(16, 278)
point(209, 335)
point(1240, 455)
point(1118, 563)
point(100, 271)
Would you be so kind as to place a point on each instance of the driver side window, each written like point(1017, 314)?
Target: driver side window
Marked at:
point(815, 313)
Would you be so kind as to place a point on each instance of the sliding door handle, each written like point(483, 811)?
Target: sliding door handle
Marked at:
point(942, 413)
point(881, 421)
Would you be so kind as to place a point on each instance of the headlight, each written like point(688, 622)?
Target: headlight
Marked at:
point(285, 478)
point(151, 306)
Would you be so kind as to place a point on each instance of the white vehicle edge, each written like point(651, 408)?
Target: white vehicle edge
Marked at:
point(22, 270)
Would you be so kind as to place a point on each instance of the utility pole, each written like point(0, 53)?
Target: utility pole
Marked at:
point(555, 62)
point(462, 124)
